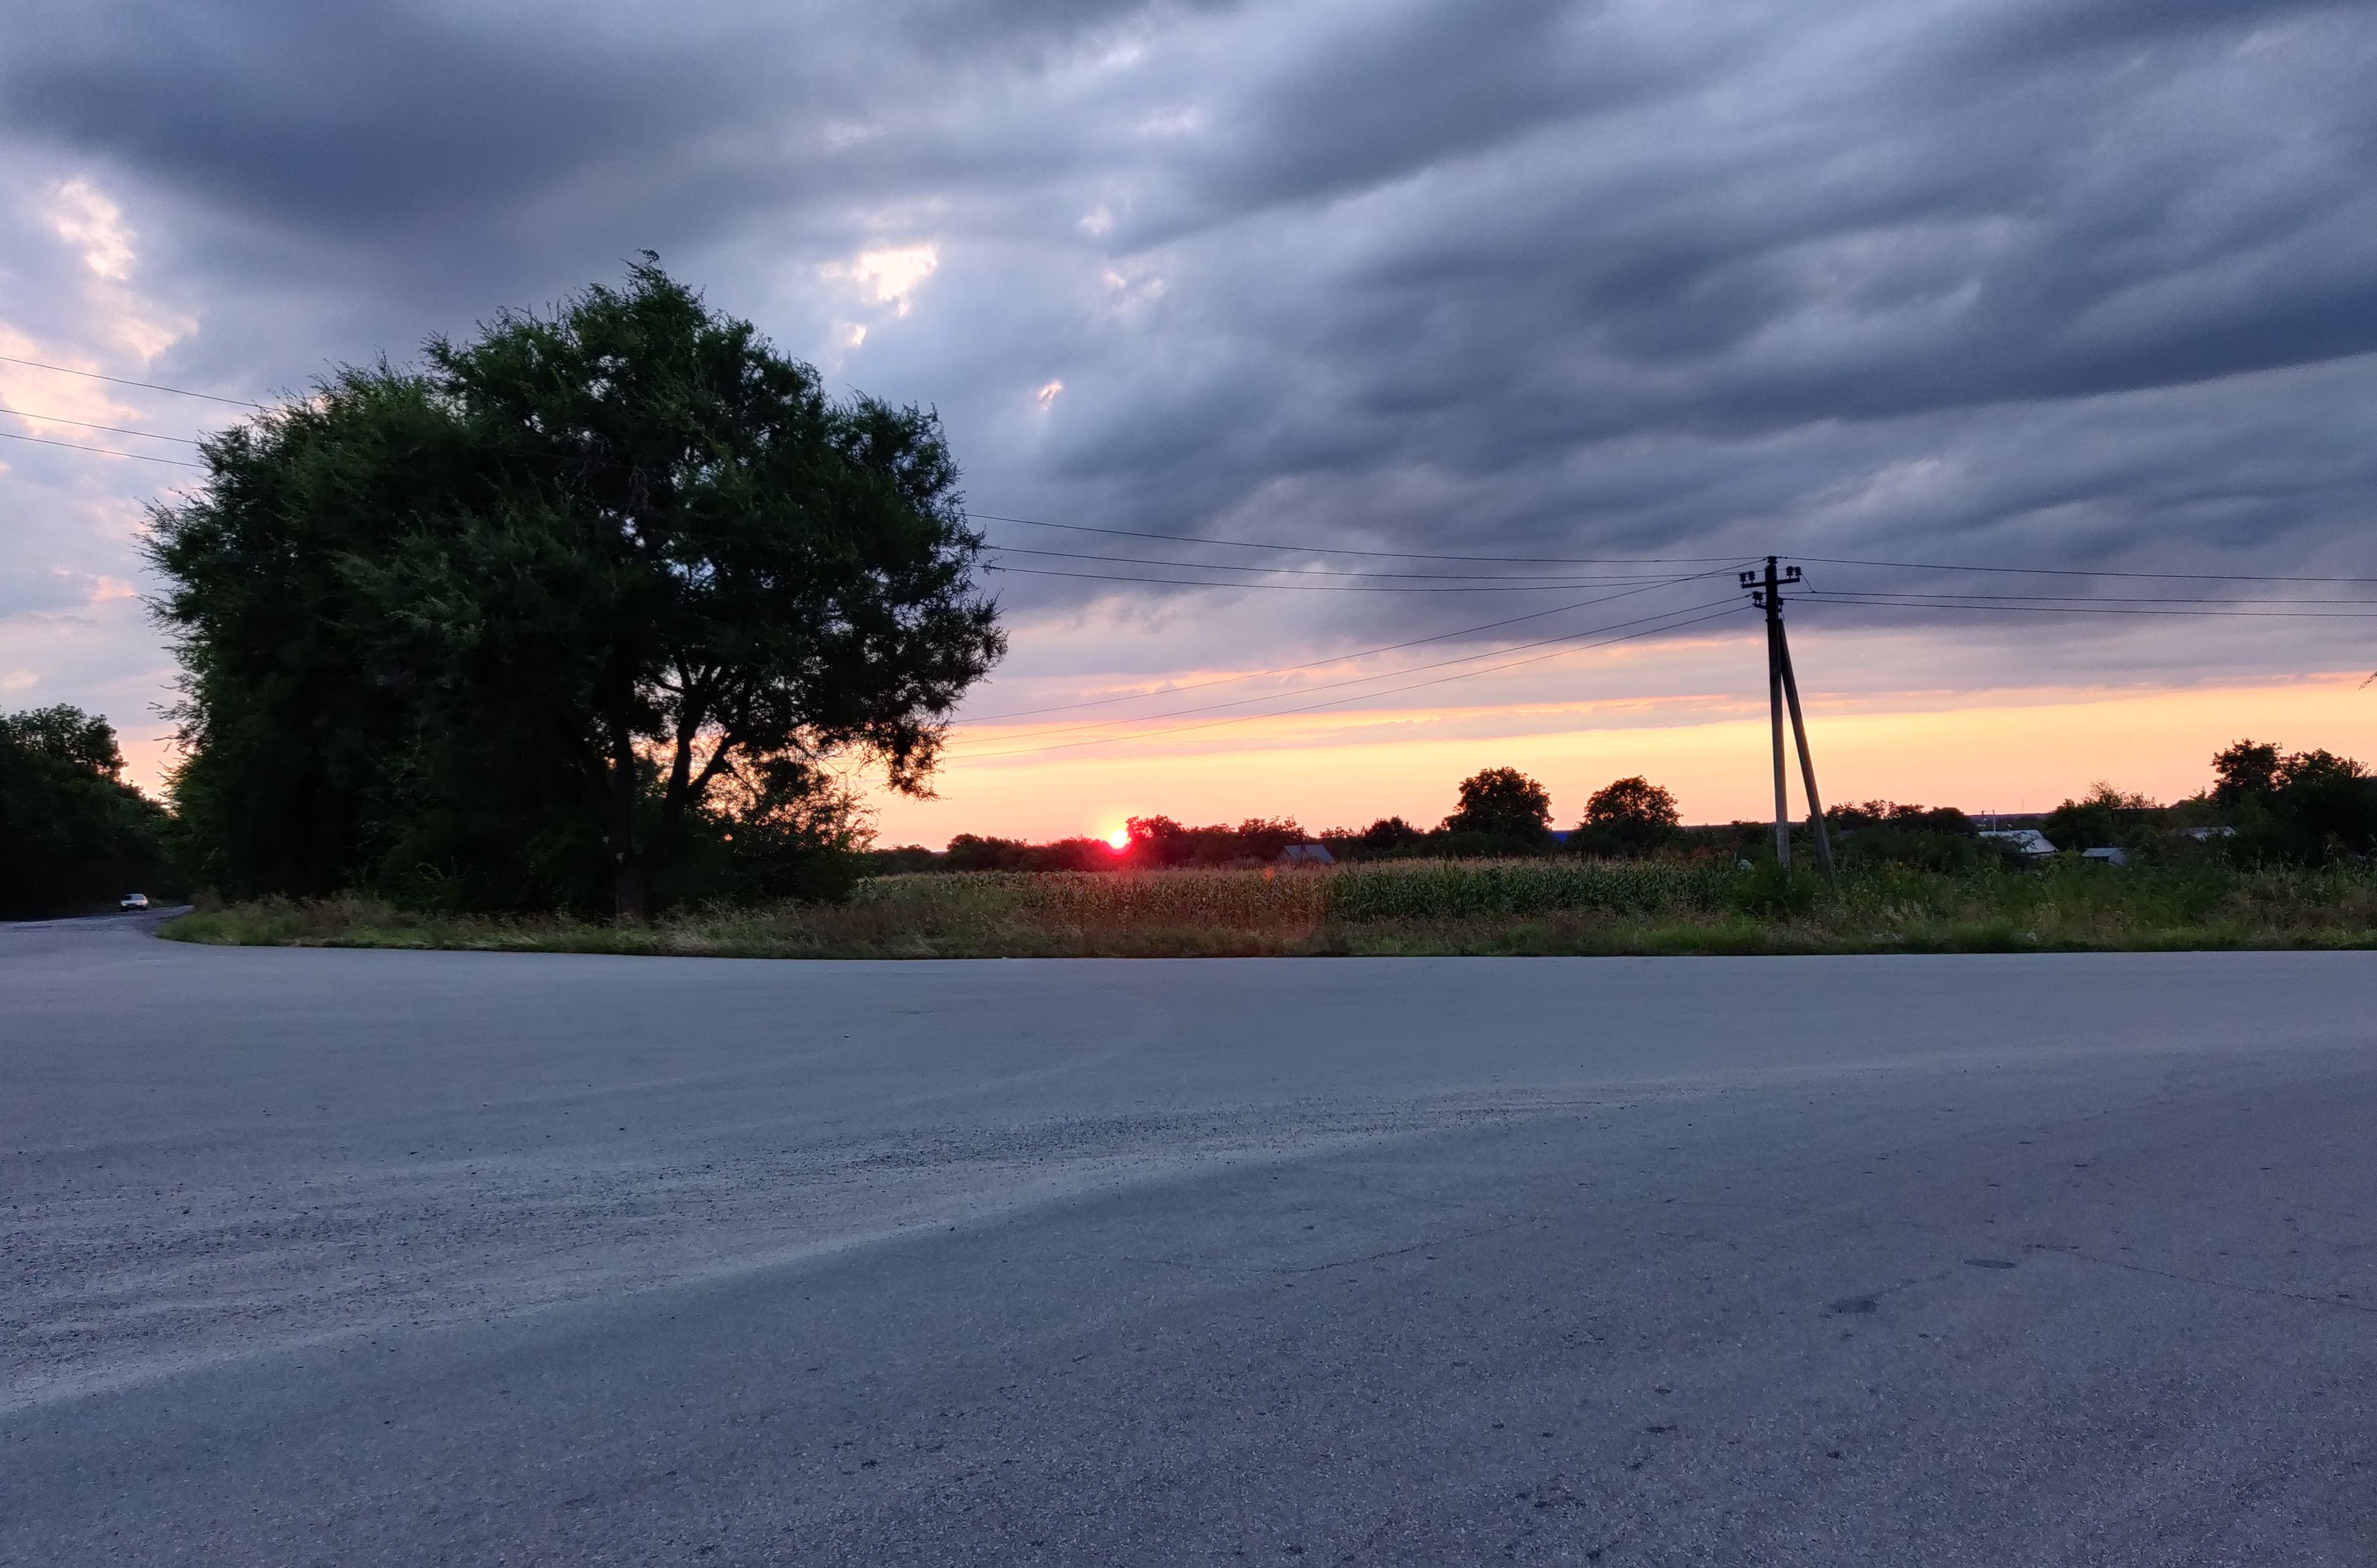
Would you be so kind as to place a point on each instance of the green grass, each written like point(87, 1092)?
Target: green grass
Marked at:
point(1469, 907)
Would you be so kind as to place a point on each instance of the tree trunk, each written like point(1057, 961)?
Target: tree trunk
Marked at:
point(627, 887)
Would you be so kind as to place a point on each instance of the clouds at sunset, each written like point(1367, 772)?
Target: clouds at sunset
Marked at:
point(2007, 284)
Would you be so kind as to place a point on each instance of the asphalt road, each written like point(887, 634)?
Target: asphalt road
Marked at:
point(353, 1258)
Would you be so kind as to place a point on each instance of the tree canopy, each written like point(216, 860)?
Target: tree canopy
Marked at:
point(1632, 802)
point(582, 611)
point(73, 834)
point(2305, 805)
point(1626, 816)
point(1503, 803)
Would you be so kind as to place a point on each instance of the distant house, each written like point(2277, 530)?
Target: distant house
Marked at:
point(2205, 835)
point(2030, 841)
point(2106, 856)
point(1306, 855)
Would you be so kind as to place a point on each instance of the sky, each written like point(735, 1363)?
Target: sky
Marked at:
point(1604, 301)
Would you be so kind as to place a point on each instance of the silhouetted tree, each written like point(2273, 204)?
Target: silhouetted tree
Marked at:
point(1387, 835)
point(2247, 767)
point(2301, 806)
point(565, 614)
point(1503, 803)
point(1629, 816)
point(2329, 803)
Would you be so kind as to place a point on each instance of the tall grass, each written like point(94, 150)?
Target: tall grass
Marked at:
point(1519, 906)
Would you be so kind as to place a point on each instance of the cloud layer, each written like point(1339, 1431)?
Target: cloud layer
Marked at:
point(2015, 282)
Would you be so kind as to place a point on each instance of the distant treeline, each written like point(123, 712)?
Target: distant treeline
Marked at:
point(1498, 812)
point(74, 836)
point(2265, 806)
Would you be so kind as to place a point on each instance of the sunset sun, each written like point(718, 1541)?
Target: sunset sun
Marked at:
point(1119, 838)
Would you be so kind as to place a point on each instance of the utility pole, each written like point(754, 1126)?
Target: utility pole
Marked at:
point(1781, 686)
point(1770, 598)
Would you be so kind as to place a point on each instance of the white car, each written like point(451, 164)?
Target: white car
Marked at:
point(134, 901)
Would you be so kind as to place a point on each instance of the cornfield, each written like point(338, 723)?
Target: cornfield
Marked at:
point(1352, 895)
point(1513, 906)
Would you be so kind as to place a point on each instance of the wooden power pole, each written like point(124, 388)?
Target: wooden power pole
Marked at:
point(1783, 687)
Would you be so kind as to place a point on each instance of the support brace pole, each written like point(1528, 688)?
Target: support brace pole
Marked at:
point(1807, 762)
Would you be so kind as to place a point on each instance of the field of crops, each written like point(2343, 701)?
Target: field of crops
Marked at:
point(1354, 894)
point(1514, 906)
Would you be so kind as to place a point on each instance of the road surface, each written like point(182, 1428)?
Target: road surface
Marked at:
point(360, 1258)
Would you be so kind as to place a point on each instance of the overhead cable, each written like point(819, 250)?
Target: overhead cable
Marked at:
point(145, 386)
point(1561, 586)
point(1573, 580)
point(103, 452)
point(1341, 550)
point(87, 424)
point(1718, 609)
point(1356, 680)
point(2078, 571)
point(2072, 598)
point(1319, 664)
point(1230, 544)
point(2098, 609)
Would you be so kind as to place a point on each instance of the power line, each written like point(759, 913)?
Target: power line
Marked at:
point(87, 424)
point(1559, 587)
point(103, 452)
point(2072, 598)
point(1318, 664)
point(1202, 539)
point(1818, 596)
point(146, 386)
point(1718, 608)
point(1571, 580)
point(2078, 571)
point(1356, 680)
point(1341, 550)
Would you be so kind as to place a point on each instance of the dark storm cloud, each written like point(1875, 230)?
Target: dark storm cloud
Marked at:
point(361, 119)
point(2025, 276)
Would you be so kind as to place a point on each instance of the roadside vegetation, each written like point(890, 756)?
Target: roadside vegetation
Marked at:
point(2275, 854)
point(1420, 908)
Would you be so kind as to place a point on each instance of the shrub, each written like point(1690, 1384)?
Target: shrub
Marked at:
point(1768, 891)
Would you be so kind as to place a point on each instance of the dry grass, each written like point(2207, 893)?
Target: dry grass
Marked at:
point(1411, 908)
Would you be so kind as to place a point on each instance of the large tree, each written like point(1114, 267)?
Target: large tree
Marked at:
point(580, 602)
point(1504, 803)
point(2306, 806)
point(1628, 815)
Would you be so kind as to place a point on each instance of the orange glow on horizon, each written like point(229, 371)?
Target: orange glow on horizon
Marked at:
point(2004, 750)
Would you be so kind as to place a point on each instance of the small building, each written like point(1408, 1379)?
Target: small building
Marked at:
point(2106, 856)
point(2029, 841)
point(2205, 835)
point(1306, 855)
